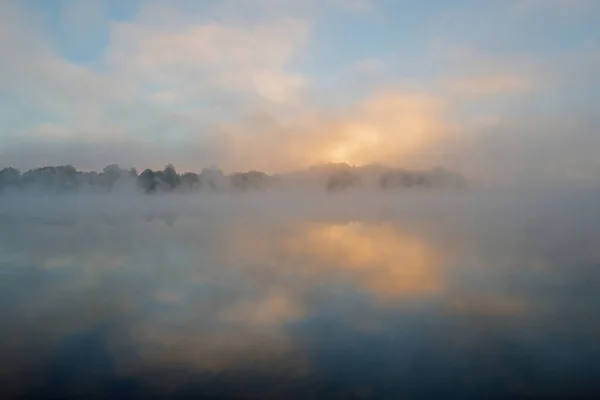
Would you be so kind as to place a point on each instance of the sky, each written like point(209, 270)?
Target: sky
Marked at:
point(501, 90)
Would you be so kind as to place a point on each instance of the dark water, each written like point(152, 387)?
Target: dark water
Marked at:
point(334, 298)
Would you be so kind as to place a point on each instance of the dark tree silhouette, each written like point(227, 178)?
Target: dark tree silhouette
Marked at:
point(342, 180)
point(170, 178)
point(336, 177)
point(9, 177)
point(147, 181)
point(190, 181)
point(252, 180)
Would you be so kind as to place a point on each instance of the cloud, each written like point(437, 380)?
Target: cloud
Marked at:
point(527, 150)
point(481, 86)
point(369, 65)
point(164, 97)
point(161, 48)
point(392, 126)
point(163, 75)
point(72, 94)
point(225, 87)
point(195, 58)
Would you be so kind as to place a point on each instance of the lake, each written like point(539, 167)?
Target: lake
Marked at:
point(290, 296)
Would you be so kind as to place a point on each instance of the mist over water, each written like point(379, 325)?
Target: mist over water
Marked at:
point(299, 199)
point(277, 295)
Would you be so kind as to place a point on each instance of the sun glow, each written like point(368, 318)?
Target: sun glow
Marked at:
point(389, 128)
point(356, 148)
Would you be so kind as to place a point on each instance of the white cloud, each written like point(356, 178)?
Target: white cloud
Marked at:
point(153, 65)
point(212, 56)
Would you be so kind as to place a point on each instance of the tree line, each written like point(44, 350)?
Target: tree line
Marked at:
point(330, 177)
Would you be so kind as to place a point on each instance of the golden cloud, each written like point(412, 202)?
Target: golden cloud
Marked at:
point(391, 127)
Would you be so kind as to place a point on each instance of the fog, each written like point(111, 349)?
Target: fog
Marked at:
point(179, 294)
point(505, 150)
point(299, 199)
point(362, 200)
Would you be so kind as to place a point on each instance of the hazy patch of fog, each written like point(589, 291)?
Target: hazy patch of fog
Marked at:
point(220, 282)
point(359, 203)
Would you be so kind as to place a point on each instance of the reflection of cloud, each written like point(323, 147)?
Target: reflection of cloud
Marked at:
point(248, 286)
point(58, 261)
point(278, 265)
point(492, 305)
point(167, 297)
point(194, 347)
point(222, 336)
point(386, 262)
point(45, 313)
point(275, 309)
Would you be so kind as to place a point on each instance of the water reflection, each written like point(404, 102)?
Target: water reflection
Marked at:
point(380, 259)
point(268, 305)
point(385, 261)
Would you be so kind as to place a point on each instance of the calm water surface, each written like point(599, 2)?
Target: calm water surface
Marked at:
point(316, 298)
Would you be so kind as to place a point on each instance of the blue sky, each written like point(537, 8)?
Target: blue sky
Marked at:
point(280, 84)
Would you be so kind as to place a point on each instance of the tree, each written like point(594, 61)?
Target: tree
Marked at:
point(9, 177)
point(110, 175)
point(342, 180)
point(147, 181)
point(190, 181)
point(252, 180)
point(170, 177)
point(211, 178)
